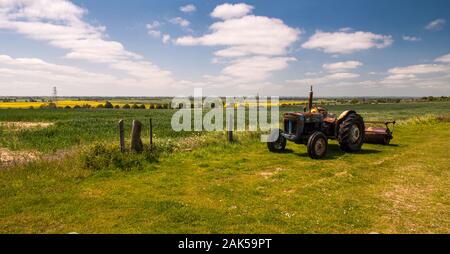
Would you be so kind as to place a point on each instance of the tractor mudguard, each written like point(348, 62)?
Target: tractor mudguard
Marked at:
point(344, 115)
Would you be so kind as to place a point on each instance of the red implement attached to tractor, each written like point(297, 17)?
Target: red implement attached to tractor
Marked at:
point(380, 135)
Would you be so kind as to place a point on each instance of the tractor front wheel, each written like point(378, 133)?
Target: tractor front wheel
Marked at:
point(351, 133)
point(277, 142)
point(317, 145)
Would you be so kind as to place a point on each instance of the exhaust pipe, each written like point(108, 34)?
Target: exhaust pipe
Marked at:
point(310, 101)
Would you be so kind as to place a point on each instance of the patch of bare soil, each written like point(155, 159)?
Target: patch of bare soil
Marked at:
point(403, 202)
point(343, 174)
point(269, 174)
point(8, 157)
point(409, 205)
point(25, 125)
point(445, 119)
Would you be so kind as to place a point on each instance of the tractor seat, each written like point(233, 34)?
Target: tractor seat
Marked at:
point(330, 119)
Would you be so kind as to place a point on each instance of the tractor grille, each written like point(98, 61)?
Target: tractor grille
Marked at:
point(290, 127)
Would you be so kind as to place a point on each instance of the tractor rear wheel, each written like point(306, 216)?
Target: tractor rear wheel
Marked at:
point(351, 133)
point(317, 145)
point(277, 142)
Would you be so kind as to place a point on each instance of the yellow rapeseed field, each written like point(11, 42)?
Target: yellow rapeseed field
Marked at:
point(71, 103)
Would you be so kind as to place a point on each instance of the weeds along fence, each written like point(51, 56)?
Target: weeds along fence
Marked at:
point(107, 156)
point(428, 119)
point(136, 144)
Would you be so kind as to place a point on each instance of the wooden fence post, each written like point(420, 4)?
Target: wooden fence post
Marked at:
point(121, 136)
point(136, 141)
point(230, 128)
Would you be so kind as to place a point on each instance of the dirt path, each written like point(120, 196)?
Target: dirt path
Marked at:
point(24, 125)
point(8, 157)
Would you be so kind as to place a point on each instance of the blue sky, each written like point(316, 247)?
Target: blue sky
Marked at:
point(151, 48)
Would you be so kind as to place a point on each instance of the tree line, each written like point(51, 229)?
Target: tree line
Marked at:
point(106, 105)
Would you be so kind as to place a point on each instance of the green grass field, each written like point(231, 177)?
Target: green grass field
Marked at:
point(84, 126)
point(206, 185)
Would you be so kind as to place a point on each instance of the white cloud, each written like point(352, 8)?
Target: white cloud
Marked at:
point(153, 29)
point(341, 66)
point(327, 79)
point(411, 38)
point(180, 21)
point(309, 73)
point(231, 11)
point(436, 25)
point(40, 66)
point(346, 29)
point(420, 75)
point(368, 83)
point(61, 24)
point(141, 70)
point(254, 46)
point(154, 25)
point(399, 78)
point(35, 76)
point(256, 68)
point(346, 42)
point(420, 69)
point(64, 29)
point(248, 35)
point(37, 10)
point(188, 8)
point(342, 75)
point(166, 38)
point(26, 70)
point(443, 59)
point(154, 33)
point(410, 81)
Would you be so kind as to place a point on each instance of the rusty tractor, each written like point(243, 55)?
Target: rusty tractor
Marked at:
point(315, 126)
